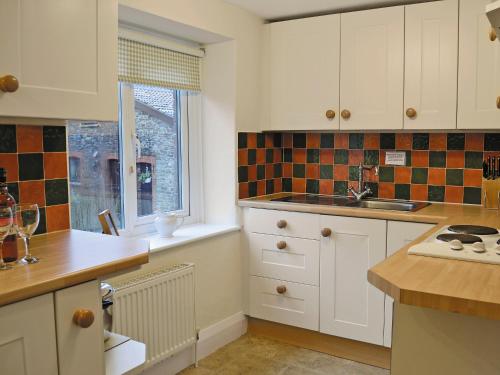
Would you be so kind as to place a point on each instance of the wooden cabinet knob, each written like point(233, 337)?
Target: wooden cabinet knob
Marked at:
point(493, 34)
point(326, 232)
point(281, 289)
point(83, 318)
point(9, 83)
point(281, 245)
point(330, 114)
point(281, 224)
point(346, 114)
point(411, 112)
point(498, 102)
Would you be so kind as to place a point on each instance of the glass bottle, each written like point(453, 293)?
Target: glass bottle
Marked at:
point(7, 200)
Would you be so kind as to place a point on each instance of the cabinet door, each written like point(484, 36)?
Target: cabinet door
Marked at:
point(372, 62)
point(64, 54)
point(28, 337)
point(350, 306)
point(431, 53)
point(304, 73)
point(80, 350)
point(399, 234)
point(479, 69)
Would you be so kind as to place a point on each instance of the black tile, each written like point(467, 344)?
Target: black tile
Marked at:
point(56, 192)
point(353, 173)
point(371, 157)
point(386, 174)
point(269, 155)
point(277, 139)
point(8, 141)
point(30, 166)
point(261, 172)
point(252, 156)
point(492, 142)
point(327, 140)
point(252, 189)
point(437, 159)
point(435, 193)
point(402, 191)
point(313, 155)
point(269, 186)
point(419, 175)
point(340, 156)
point(312, 186)
point(340, 187)
point(261, 140)
point(299, 140)
point(456, 141)
point(287, 155)
point(278, 170)
point(387, 141)
point(373, 187)
point(356, 141)
point(54, 138)
point(473, 160)
point(299, 170)
point(13, 188)
point(420, 141)
point(242, 140)
point(472, 195)
point(287, 184)
point(326, 171)
point(455, 177)
point(42, 224)
point(243, 174)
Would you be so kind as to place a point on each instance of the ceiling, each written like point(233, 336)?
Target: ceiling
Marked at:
point(280, 9)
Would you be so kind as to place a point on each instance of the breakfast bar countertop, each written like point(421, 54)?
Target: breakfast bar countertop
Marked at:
point(68, 258)
point(449, 285)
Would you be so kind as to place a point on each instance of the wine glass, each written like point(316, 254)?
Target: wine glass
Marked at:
point(26, 220)
point(5, 227)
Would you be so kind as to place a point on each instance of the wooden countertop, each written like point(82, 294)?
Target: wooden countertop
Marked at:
point(68, 258)
point(448, 285)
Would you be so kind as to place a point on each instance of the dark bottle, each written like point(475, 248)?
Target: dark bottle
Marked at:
point(7, 200)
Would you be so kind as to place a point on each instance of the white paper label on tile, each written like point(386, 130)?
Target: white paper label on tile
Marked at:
point(395, 158)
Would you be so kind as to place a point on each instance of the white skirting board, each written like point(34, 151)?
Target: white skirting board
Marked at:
point(211, 339)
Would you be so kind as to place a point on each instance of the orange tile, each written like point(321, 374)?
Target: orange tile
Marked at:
point(243, 190)
point(474, 141)
point(55, 165)
point(277, 155)
point(269, 140)
point(402, 175)
point(252, 140)
point(313, 140)
point(299, 155)
point(242, 157)
point(299, 185)
point(252, 172)
point(29, 138)
point(32, 192)
point(326, 156)
point(342, 140)
point(278, 187)
point(386, 190)
point(473, 177)
point(418, 192)
point(356, 157)
point(9, 162)
point(326, 187)
point(404, 141)
point(455, 159)
point(261, 187)
point(312, 171)
point(420, 158)
point(437, 141)
point(340, 172)
point(261, 156)
point(454, 194)
point(287, 170)
point(288, 140)
point(57, 217)
point(269, 171)
point(372, 141)
point(437, 176)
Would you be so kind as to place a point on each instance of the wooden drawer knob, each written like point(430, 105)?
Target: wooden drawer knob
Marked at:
point(326, 232)
point(498, 102)
point(330, 114)
point(346, 114)
point(281, 289)
point(281, 245)
point(411, 112)
point(83, 318)
point(9, 83)
point(281, 224)
point(493, 34)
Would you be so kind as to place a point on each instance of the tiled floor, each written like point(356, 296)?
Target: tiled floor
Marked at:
point(261, 356)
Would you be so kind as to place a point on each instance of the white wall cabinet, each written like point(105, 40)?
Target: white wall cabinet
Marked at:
point(372, 62)
point(304, 58)
point(431, 50)
point(350, 306)
point(479, 69)
point(64, 55)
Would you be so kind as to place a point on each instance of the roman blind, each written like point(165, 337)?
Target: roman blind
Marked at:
point(146, 64)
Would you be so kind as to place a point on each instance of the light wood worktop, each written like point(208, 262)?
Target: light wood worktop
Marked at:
point(448, 285)
point(68, 258)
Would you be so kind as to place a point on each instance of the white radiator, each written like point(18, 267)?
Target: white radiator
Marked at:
point(158, 309)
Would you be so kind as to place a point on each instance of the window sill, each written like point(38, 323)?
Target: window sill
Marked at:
point(187, 234)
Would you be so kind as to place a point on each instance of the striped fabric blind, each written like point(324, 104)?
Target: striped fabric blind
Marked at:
point(151, 65)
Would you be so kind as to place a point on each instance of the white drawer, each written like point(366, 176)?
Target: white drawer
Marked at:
point(295, 224)
point(297, 260)
point(297, 306)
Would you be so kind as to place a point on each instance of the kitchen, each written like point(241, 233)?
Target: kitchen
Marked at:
point(308, 238)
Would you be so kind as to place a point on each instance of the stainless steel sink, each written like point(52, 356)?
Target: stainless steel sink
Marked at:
point(378, 204)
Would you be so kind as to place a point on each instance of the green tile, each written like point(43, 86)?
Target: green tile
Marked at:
point(353, 173)
point(356, 141)
point(287, 155)
point(386, 174)
point(261, 140)
point(269, 155)
point(269, 186)
point(312, 186)
point(8, 142)
point(326, 171)
point(437, 159)
point(313, 155)
point(420, 141)
point(435, 193)
point(419, 175)
point(341, 156)
point(299, 140)
point(261, 172)
point(287, 184)
point(278, 170)
point(455, 177)
point(340, 187)
point(387, 141)
point(371, 157)
point(299, 170)
point(402, 191)
point(492, 142)
point(243, 174)
point(252, 189)
point(456, 141)
point(252, 156)
point(327, 140)
point(242, 140)
point(472, 195)
point(373, 187)
point(473, 160)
